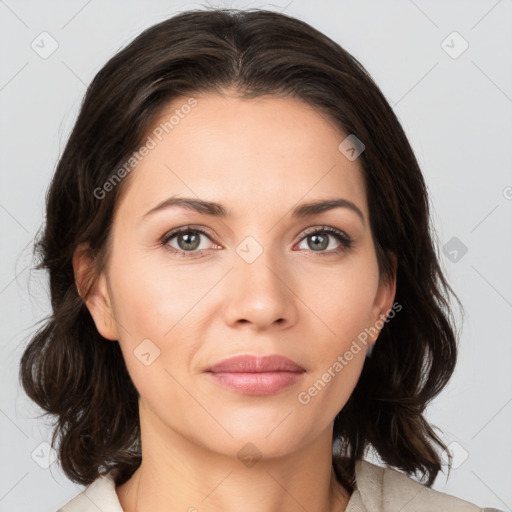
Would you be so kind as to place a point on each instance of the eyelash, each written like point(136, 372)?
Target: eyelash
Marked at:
point(345, 240)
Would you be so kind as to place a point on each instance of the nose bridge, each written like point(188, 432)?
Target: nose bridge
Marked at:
point(258, 264)
point(259, 286)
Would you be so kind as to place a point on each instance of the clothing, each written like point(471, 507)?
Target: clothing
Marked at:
point(377, 490)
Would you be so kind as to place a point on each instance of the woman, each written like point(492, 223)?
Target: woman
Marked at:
point(246, 296)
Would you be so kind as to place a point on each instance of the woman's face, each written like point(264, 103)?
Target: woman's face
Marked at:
point(259, 281)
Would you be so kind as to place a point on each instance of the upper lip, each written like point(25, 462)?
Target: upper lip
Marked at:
point(255, 364)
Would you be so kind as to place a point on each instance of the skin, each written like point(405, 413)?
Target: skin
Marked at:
point(259, 158)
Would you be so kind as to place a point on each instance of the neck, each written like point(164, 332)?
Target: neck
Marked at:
point(177, 474)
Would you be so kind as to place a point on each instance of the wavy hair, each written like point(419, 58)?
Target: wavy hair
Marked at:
point(80, 378)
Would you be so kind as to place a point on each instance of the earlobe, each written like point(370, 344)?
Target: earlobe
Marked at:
point(97, 299)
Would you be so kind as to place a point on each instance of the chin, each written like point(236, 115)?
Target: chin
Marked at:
point(255, 444)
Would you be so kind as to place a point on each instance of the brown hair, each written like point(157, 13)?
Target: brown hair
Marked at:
point(76, 375)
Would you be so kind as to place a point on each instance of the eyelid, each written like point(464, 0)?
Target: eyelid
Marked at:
point(321, 229)
point(188, 227)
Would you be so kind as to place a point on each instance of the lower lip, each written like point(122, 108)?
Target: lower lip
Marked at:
point(265, 383)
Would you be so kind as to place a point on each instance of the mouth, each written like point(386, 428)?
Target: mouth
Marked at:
point(256, 375)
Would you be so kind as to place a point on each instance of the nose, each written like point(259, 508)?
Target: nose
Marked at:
point(260, 294)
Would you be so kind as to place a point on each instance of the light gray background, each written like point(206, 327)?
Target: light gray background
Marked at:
point(456, 112)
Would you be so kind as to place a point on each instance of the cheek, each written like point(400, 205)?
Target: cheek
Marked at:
point(157, 305)
point(151, 296)
point(341, 296)
point(339, 354)
point(343, 300)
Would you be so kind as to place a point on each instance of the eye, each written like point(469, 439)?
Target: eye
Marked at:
point(188, 240)
point(318, 241)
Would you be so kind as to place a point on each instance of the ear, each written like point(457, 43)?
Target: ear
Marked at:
point(98, 301)
point(383, 302)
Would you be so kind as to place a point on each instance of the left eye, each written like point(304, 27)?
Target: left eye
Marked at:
point(188, 241)
point(318, 240)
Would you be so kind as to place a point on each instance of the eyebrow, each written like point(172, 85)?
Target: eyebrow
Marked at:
point(218, 210)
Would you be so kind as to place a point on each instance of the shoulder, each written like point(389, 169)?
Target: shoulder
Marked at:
point(386, 489)
point(100, 495)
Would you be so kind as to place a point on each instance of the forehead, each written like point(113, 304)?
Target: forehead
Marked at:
point(264, 152)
